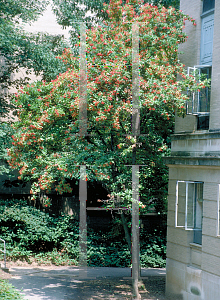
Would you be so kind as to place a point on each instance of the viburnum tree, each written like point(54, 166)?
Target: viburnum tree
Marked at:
point(47, 146)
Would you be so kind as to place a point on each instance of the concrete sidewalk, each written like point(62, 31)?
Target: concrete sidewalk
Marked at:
point(69, 283)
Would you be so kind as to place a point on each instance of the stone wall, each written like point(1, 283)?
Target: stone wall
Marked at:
point(188, 264)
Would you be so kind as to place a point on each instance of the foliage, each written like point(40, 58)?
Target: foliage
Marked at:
point(153, 248)
point(47, 146)
point(72, 13)
point(23, 52)
point(167, 3)
point(27, 10)
point(41, 53)
point(8, 292)
point(109, 248)
point(29, 233)
point(11, 38)
point(5, 141)
point(27, 228)
point(34, 235)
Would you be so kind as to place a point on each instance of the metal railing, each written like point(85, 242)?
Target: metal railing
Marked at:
point(4, 251)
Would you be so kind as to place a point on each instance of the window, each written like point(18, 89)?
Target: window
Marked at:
point(199, 103)
point(208, 4)
point(189, 207)
point(207, 30)
point(207, 39)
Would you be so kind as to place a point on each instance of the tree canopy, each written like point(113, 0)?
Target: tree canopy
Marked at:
point(24, 51)
point(71, 12)
point(48, 147)
point(10, 14)
point(19, 49)
point(27, 10)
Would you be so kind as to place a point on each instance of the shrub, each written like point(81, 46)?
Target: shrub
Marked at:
point(28, 231)
point(8, 292)
point(31, 233)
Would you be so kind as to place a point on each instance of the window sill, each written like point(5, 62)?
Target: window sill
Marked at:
point(196, 246)
point(208, 12)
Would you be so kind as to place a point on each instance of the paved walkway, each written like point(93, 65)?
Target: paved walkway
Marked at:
point(72, 283)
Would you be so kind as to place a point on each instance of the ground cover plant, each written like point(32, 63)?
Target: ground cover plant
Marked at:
point(8, 292)
point(33, 235)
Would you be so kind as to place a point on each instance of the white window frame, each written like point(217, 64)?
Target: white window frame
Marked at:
point(187, 182)
point(194, 111)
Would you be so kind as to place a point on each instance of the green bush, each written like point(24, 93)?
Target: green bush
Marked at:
point(55, 257)
point(26, 227)
point(109, 248)
point(28, 231)
point(33, 234)
point(8, 292)
point(153, 248)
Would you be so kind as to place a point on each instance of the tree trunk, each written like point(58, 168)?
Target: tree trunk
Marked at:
point(135, 235)
point(126, 231)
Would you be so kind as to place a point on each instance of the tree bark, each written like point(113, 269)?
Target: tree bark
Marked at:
point(126, 231)
point(135, 239)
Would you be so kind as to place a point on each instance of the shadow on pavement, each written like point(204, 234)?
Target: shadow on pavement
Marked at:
point(102, 283)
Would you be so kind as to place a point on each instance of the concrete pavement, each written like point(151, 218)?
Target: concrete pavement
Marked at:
point(66, 283)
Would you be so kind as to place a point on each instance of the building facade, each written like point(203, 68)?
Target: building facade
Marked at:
point(193, 233)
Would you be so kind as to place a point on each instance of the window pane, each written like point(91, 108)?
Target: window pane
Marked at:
point(199, 205)
point(190, 205)
point(192, 104)
point(207, 39)
point(203, 122)
point(199, 102)
point(197, 237)
point(204, 94)
point(208, 4)
point(180, 208)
